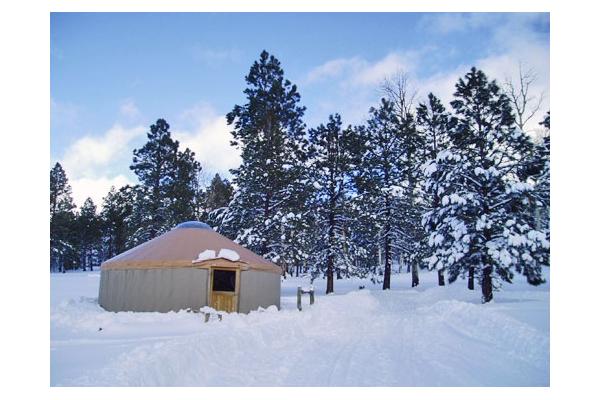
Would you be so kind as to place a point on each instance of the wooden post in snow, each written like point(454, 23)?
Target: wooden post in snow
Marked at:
point(311, 293)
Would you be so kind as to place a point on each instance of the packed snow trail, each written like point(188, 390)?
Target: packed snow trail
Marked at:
point(434, 336)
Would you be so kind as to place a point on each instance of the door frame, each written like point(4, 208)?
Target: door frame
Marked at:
point(237, 271)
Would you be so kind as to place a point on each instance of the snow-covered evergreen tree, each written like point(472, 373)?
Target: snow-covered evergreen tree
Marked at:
point(433, 124)
point(334, 159)
point(62, 221)
point(268, 206)
point(89, 235)
point(410, 242)
point(215, 200)
point(484, 223)
point(539, 172)
point(380, 182)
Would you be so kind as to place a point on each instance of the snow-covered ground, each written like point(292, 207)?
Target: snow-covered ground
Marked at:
point(428, 336)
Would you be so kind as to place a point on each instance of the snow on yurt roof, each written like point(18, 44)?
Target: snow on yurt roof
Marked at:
point(181, 247)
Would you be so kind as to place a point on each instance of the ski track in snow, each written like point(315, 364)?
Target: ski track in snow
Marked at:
point(429, 336)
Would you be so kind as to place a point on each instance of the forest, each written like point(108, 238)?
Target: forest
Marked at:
point(463, 190)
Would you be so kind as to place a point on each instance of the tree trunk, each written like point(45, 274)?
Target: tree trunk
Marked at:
point(486, 285)
point(387, 271)
point(329, 274)
point(266, 216)
point(330, 258)
point(471, 282)
point(338, 273)
point(415, 274)
point(441, 281)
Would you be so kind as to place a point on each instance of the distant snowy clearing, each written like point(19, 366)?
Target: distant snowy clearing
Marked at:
point(431, 336)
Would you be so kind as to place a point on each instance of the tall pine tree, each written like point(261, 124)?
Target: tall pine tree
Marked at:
point(270, 198)
point(169, 188)
point(434, 124)
point(380, 181)
point(89, 235)
point(334, 157)
point(62, 221)
point(154, 165)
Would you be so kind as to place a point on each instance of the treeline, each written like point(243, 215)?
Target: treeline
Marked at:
point(168, 193)
point(463, 191)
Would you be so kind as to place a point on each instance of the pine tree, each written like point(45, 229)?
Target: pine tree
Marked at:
point(541, 176)
point(333, 159)
point(380, 181)
point(535, 171)
point(89, 235)
point(155, 165)
point(62, 220)
point(268, 205)
point(117, 210)
point(219, 193)
point(185, 189)
point(60, 191)
point(434, 124)
point(410, 243)
point(215, 201)
point(137, 221)
point(169, 183)
point(484, 223)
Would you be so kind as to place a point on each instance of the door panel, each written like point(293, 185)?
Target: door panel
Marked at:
point(224, 301)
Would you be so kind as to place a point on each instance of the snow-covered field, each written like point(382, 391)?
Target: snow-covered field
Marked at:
point(431, 336)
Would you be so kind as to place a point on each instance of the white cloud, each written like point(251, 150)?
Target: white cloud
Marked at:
point(375, 73)
point(356, 82)
point(129, 109)
point(333, 68)
point(207, 134)
point(90, 162)
point(357, 71)
point(90, 155)
point(96, 188)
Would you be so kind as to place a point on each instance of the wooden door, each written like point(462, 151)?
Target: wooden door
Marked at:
point(224, 289)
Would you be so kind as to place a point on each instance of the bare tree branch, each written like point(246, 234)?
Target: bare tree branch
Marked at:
point(525, 104)
point(398, 90)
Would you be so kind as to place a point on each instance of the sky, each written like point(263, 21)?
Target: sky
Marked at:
point(114, 74)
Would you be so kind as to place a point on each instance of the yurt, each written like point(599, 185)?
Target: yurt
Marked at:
point(189, 267)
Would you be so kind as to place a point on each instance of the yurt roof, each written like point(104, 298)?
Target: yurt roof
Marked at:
point(180, 247)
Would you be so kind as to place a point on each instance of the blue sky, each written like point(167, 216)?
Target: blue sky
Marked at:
point(113, 74)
